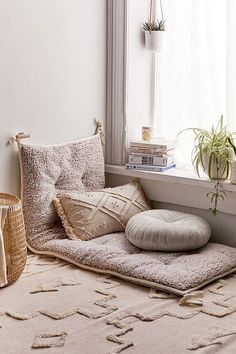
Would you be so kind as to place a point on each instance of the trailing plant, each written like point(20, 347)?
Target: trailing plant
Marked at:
point(154, 25)
point(218, 193)
point(212, 153)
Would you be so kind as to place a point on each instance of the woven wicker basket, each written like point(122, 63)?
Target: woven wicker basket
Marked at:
point(14, 237)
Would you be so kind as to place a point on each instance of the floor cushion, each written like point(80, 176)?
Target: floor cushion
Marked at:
point(167, 230)
point(52, 170)
point(79, 166)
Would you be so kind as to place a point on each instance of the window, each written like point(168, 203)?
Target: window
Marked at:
point(195, 79)
point(196, 71)
point(192, 66)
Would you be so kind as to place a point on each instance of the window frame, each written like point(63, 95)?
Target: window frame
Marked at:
point(117, 67)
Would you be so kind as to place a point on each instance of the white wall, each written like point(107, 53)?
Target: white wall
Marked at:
point(52, 73)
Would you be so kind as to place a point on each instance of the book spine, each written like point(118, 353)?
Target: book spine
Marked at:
point(151, 151)
point(149, 167)
point(149, 145)
point(151, 160)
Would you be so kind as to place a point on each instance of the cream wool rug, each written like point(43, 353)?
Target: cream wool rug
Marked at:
point(56, 307)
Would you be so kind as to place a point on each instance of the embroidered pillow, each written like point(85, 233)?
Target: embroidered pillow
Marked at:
point(92, 214)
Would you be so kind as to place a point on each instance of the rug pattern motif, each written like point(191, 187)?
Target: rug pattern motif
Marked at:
point(223, 303)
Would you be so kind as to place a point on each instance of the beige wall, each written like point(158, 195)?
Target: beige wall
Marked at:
point(52, 73)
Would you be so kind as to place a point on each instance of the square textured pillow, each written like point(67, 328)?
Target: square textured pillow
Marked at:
point(46, 171)
point(94, 214)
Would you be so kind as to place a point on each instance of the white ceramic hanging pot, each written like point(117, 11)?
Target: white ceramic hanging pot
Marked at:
point(154, 40)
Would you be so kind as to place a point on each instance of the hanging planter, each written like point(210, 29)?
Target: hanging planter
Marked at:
point(154, 40)
point(154, 31)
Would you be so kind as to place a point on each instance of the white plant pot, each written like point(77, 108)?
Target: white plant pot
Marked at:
point(154, 40)
point(233, 172)
point(214, 174)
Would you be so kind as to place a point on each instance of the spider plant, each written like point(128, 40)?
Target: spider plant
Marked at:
point(154, 25)
point(212, 153)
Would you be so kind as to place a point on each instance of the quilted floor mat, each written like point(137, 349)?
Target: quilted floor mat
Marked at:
point(178, 273)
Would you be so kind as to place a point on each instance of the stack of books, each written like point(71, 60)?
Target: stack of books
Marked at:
point(154, 155)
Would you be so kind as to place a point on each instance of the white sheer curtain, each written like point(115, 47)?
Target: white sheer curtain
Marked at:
point(192, 70)
point(231, 63)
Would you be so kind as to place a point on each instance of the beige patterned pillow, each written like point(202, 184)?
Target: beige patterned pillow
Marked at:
point(93, 214)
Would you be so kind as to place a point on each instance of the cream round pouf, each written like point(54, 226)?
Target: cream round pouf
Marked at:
point(167, 230)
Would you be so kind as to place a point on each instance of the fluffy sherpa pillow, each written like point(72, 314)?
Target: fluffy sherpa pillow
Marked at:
point(94, 214)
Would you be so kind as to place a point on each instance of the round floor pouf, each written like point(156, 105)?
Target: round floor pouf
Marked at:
point(167, 230)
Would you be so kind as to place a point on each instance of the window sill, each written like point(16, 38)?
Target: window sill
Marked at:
point(175, 175)
point(176, 186)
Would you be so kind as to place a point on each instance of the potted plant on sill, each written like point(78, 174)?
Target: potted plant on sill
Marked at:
point(212, 153)
point(154, 30)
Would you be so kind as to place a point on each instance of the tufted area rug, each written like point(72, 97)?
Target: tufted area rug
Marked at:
point(56, 308)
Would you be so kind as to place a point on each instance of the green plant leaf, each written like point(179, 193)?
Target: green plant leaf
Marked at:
point(215, 144)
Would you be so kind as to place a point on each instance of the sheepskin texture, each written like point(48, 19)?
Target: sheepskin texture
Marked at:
point(68, 168)
point(54, 170)
point(167, 230)
point(94, 214)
